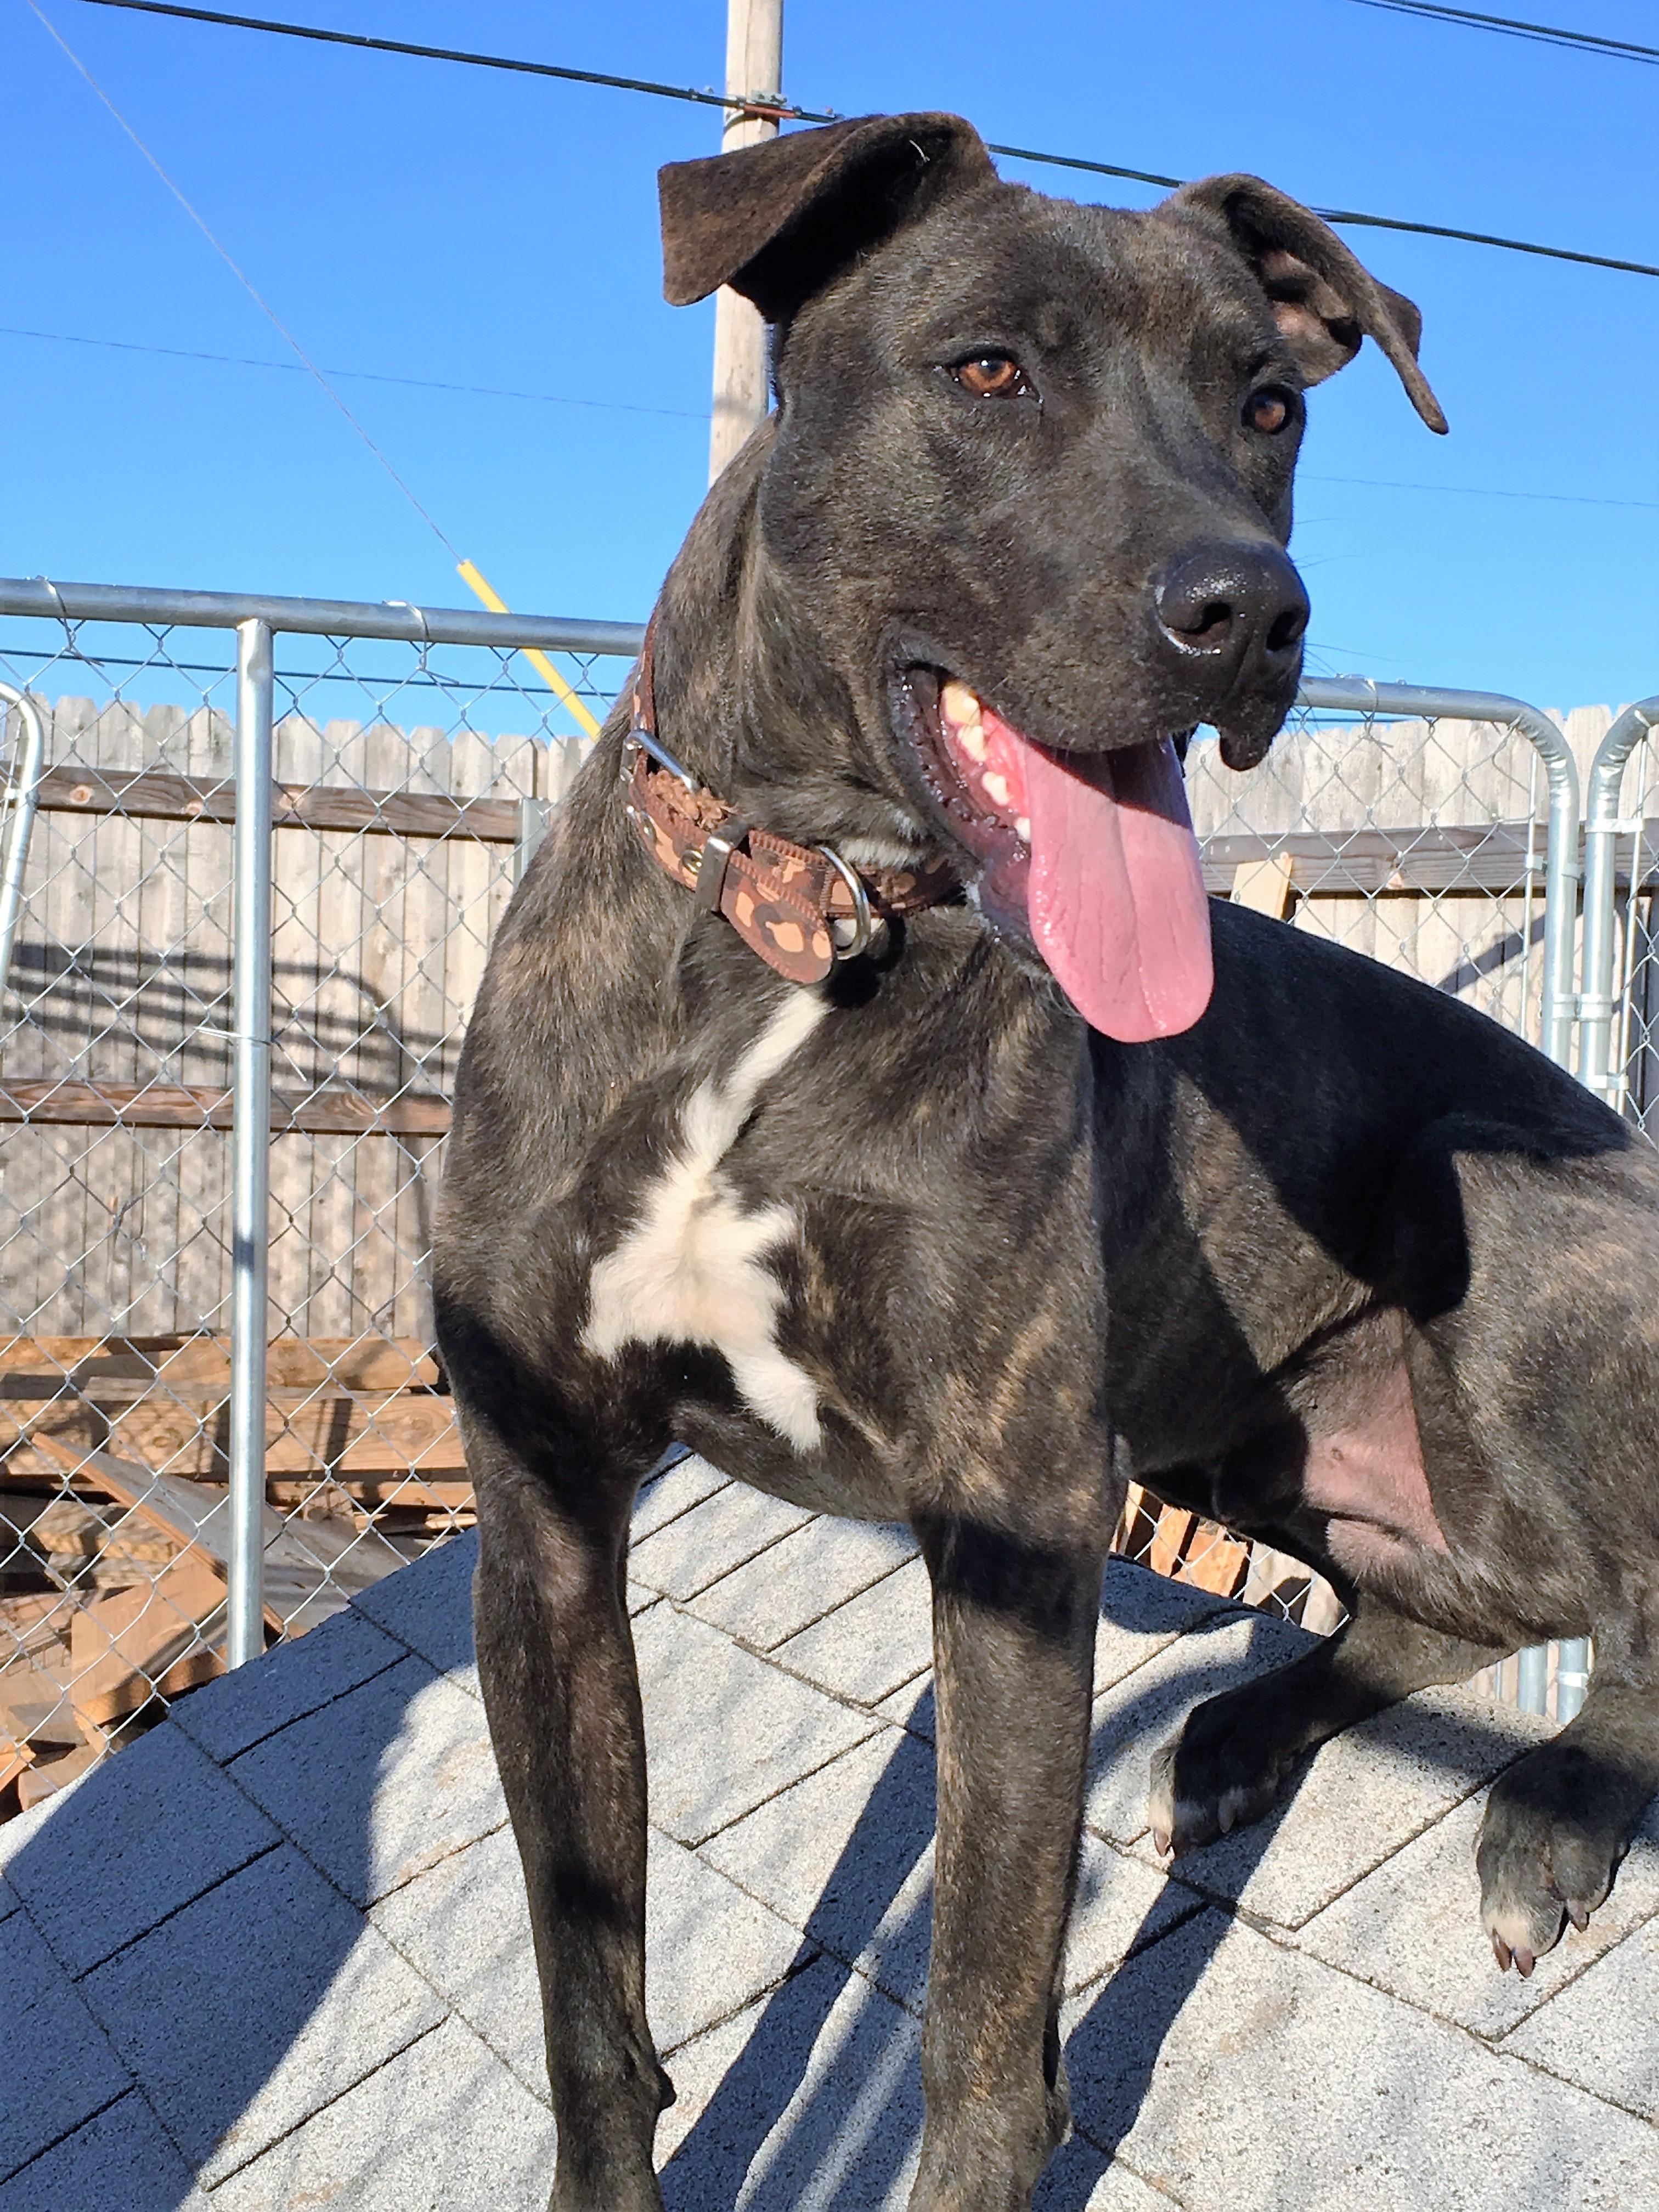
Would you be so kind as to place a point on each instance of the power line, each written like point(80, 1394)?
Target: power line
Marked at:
point(786, 112)
point(703, 99)
point(1548, 34)
point(692, 415)
point(354, 375)
point(1482, 491)
point(247, 284)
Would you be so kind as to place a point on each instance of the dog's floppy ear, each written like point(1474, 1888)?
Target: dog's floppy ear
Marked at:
point(777, 220)
point(1323, 299)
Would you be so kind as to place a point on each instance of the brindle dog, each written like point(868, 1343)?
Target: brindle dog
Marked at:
point(999, 1216)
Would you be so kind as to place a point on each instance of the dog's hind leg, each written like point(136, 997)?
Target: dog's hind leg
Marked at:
point(1013, 1647)
point(1225, 1765)
point(555, 1660)
point(1559, 1821)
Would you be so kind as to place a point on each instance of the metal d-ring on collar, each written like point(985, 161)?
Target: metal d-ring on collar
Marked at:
point(864, 922)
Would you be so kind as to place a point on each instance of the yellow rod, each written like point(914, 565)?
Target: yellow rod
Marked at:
point(480, 585)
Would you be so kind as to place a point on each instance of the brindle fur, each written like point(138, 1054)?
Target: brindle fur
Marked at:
point(1031, 1264)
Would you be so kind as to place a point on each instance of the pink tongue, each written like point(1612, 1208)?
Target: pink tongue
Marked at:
point(1117, 900)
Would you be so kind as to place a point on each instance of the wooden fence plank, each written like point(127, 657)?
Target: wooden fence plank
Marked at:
point(160, 795)
point(178, 1106)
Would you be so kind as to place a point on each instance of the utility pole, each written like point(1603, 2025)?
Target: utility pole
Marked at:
point(754, 71)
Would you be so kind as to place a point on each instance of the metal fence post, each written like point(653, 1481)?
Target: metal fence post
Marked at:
point(1601, 829)
point(21, 799)
point(1597, 1004)
point(250, 1142)
point(1560, 893)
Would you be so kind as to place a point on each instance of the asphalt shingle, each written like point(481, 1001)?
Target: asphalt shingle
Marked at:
point(327, 1995)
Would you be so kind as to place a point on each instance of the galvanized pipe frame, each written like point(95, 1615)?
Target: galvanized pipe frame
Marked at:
point(252, 958)
point(1603, 827)
point(396, 620)
point(257, 619)
point(1598, 1000)
point(22, 797)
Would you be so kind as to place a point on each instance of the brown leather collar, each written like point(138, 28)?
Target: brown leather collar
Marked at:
point(800, 908)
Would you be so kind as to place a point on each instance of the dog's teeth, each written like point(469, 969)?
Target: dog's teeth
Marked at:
point(957, 703)
point(971, 737)
point(996, 789)
point(1023, 829)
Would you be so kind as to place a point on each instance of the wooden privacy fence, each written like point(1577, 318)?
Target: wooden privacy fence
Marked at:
point(393, 856)
point(396, 844)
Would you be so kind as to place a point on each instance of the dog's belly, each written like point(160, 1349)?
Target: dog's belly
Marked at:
point(1368, 1479)
point(1332, 1460)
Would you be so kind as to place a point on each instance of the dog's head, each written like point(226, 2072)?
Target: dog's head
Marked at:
point(1026, 494)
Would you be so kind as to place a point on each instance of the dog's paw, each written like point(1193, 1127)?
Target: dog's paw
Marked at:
point(1540, 1868)
point(1211, 1777)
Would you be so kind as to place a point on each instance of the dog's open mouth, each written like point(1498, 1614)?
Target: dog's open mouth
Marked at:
point(1089, 855)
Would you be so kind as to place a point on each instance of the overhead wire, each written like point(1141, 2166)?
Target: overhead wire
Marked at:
point(240, 275)
point(304, 363)
point(355, 375)
point(475, 581)
point(782, 110)
point(1549, 34)
point(701, 415)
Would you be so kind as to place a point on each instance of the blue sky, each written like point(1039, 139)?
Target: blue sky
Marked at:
point(411, 219)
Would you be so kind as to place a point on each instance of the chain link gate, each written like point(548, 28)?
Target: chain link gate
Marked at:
point(252, 856)
point(1618, 1008)
point(221, 1413)
point(1437, 832)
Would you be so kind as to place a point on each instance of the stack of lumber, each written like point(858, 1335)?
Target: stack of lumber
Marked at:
point(1174, 1542)
point(114, 1526)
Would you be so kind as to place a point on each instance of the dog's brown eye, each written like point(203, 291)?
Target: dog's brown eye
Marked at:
point(991, 376)
point(1268, 411)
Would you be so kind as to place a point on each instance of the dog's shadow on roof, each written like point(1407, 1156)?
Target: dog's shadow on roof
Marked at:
point(822, 2105)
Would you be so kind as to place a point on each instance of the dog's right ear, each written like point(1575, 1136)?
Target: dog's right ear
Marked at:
point(777, 220)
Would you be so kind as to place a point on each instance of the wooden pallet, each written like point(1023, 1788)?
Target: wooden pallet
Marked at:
point(135, 1428)
point(366, 1415)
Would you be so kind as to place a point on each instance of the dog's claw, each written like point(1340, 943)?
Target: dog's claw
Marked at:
point(1502, 1952)
point(1578, 1917)
point(1162, 1841)
point(1524, 1964)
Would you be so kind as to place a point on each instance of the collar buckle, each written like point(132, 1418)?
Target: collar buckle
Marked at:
point(717, 851)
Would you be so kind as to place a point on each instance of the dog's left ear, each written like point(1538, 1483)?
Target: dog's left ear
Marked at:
point(1323, 299)
point(777, 220)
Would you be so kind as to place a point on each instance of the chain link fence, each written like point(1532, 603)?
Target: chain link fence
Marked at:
point(210, 1437)
point(412, 775)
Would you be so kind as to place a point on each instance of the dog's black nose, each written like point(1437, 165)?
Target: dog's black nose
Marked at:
point(1237, 606)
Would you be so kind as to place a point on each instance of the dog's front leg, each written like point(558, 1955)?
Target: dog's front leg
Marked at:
point(1013, 1654)
point(555, 1660)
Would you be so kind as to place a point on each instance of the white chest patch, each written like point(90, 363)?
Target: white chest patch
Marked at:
point(690, 1271)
